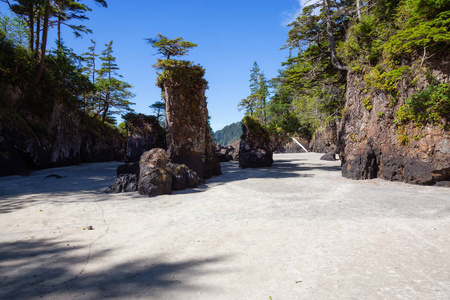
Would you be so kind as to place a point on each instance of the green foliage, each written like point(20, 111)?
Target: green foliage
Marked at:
point(170, 47)
point(367, 103)
point(310, 91)
point(122, 127)
point(181, 71)
point(387, 37)
point(256, 104)
point(431, 105)
point(255, 127)
point(15, 30)
point(159, 109)
point(229, 133)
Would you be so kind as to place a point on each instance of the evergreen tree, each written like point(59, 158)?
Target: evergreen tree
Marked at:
point(159, 108)
point(90, 70)
point(256, 103)
point(89, 58)
point(15, 30)
point(170, 47)
point(111, 92)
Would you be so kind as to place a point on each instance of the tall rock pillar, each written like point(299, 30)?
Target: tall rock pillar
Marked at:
point(189, 139)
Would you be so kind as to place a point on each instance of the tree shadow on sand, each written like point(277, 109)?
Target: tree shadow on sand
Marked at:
point(88, 181)
point(49, 268)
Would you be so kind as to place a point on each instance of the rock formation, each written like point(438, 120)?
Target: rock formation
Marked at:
point(224, 153)
point(64, 138)
point(371, 145)
point(284, 144)
point(325, 140)
point(189, 139)
point(153, 175)
point(255, 148)
point(144, 133)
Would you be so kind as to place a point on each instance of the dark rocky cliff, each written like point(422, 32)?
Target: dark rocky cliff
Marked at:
point(30, 141)
point(372, 145)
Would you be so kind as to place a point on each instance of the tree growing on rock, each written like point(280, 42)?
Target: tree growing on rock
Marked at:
point(183, 86)
point(170, 47)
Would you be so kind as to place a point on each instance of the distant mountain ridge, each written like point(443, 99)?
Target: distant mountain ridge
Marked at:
point(229, 133)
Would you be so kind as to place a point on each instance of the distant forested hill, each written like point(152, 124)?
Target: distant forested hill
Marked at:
point(229, 133)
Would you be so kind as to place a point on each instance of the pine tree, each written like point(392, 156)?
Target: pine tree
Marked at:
point(109, 66)
point(256, 103)
point(159, 108)
point(111, 92)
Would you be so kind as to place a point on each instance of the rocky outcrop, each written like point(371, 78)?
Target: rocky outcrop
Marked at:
point(372, 146)
point(325, 140)
point(153, 175)
point(126, 180)
point(182, 177)
point(224, 153)
point(285, 144)
point(144, 133)
point(66, 137)
point(255, 148)
point(329, 157)
point(189, 139)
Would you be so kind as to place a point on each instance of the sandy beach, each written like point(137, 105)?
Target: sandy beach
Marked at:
point(298, 230)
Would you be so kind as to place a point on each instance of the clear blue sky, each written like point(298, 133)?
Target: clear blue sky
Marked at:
point(231, 35)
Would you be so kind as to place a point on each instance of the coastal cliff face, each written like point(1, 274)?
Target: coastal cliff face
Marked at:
point(28, 142)
point(325, 139)
point(372, 144)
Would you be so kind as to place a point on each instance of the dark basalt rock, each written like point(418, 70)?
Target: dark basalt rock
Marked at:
point(144, 133)
point(189, 138)
point(124, 183)
point(255, 149)
point(126, 180)
point(182, 177)
point(325, 140)
point(329, 157)
point(62, 137)
point(224, 153)
point(153, 177)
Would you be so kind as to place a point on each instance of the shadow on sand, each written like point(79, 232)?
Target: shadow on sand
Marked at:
point(48, 268)
point(85, 181)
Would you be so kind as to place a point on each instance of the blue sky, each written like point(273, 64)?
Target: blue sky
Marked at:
point(231, 35)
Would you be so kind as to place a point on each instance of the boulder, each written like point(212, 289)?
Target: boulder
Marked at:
point(189, 137)
point(182, 177)
point(153, 177)
point(235, 152)
point(127, 179)
point(224, 152)
point(329, 157)
point(144, 133)
point(255, 149)
point(124, 183)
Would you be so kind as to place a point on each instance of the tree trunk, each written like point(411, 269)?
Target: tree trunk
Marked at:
point(31, 29)
point(43, 44)
point(38, 32)
point(358, 8)
point(334, 60)
point(105, 111)
point(59, 30)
